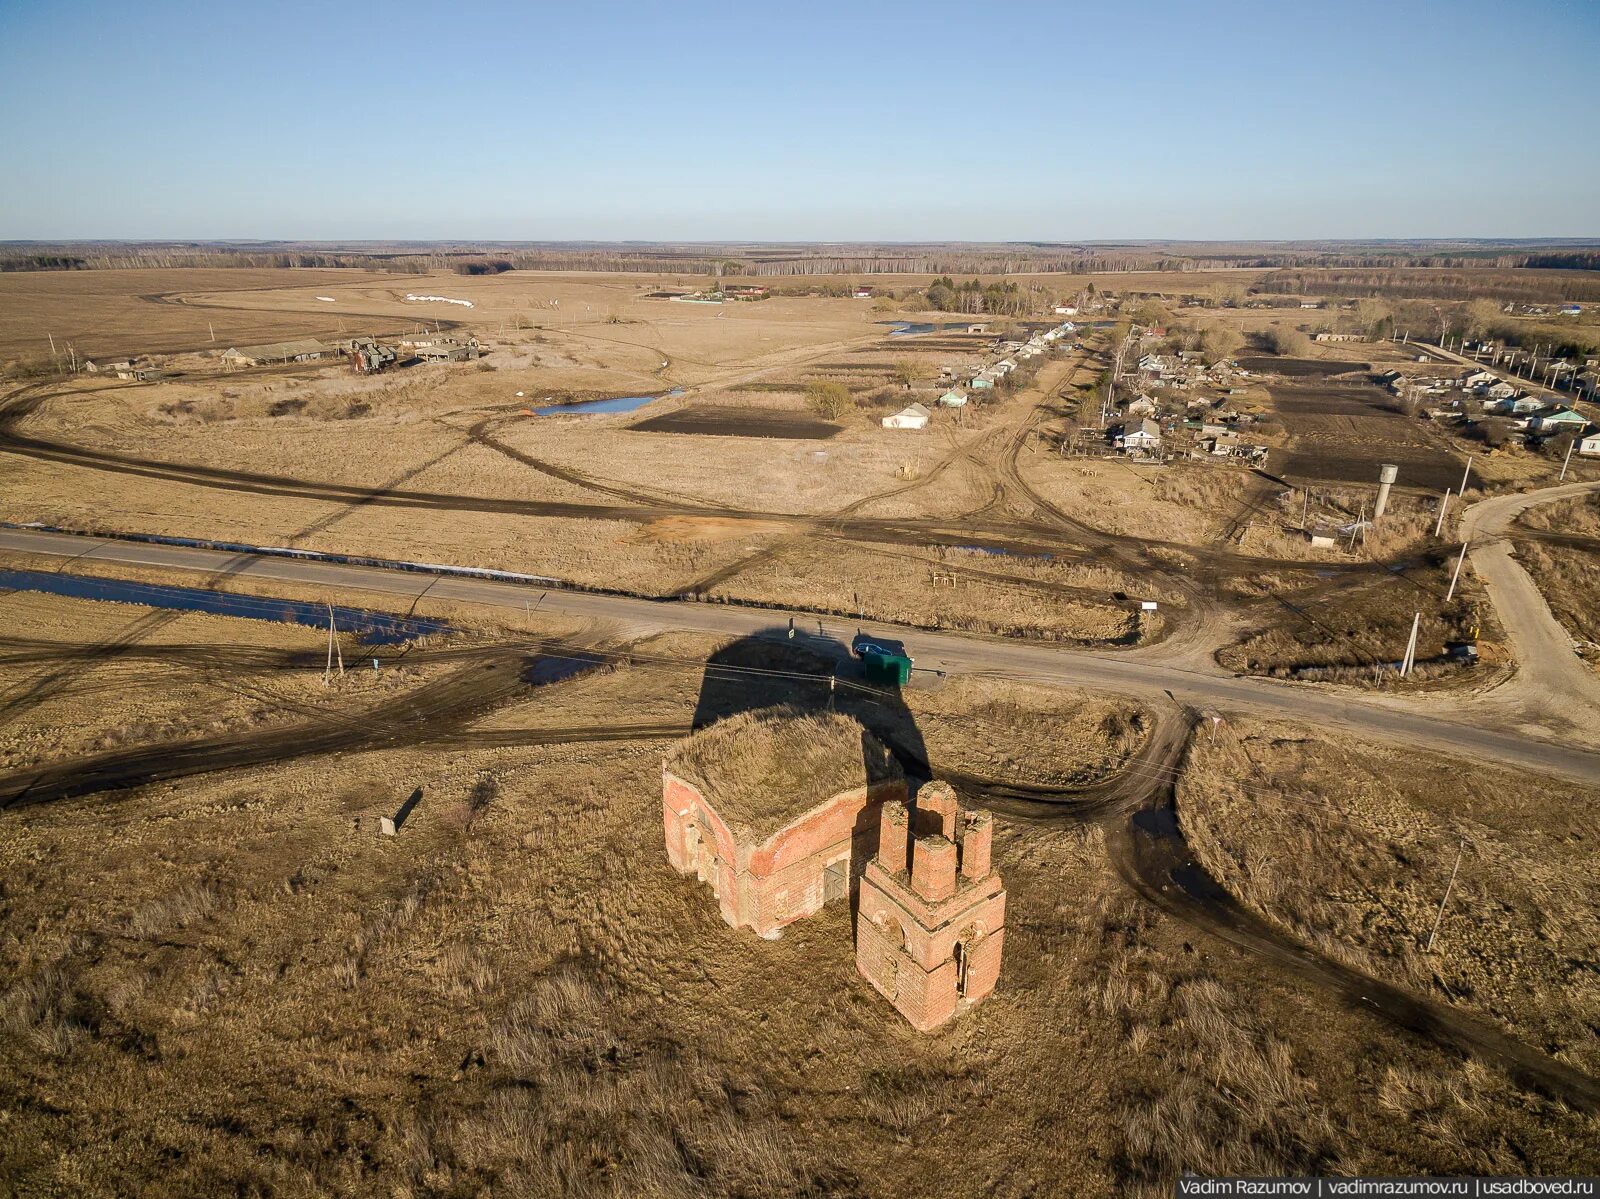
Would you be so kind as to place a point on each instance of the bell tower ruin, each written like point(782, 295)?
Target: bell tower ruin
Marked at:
point(931, 920)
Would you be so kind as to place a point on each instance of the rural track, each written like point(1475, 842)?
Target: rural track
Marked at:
point(1149, 852)
point(1059, 534)
point(439, 706)
point(1451, 726)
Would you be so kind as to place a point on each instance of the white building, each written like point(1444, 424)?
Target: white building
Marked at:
point(914, 416)
point(1146, 439)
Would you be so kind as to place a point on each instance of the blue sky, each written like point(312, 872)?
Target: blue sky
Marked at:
point(799, 121)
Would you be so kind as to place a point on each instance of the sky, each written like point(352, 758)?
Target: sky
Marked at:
point(809, 121)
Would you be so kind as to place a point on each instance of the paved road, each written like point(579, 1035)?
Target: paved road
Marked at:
point(1551, 680)
point(1440, 725)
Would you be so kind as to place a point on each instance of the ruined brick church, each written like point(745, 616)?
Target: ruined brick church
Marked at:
point(781, 813)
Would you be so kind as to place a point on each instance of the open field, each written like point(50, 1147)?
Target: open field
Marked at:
point(727, 421)
point(261, 992)
point(1356, 858)
point(1343, 432)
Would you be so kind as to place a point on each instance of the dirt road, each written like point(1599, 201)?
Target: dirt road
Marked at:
point(1443, 725)
point(1551, 682)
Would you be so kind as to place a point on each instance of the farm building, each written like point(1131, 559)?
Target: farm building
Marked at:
point(307, 350)
point(776, 811)
point(862, 293)
point(930, 925)
point(139, 374)
point(446, 350)
point(913, 416)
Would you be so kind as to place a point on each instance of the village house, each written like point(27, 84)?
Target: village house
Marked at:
point(862, 293)
point(776, 813)
point(1558, 420)
point(913, 416)
point(954, 398)
point(1143, 441)
point(1590, 444)
point(306, 350)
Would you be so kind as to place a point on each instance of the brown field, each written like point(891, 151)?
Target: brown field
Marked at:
point(1343, 432)
point(1356, 858)
point(725, 421)
point(517, 994)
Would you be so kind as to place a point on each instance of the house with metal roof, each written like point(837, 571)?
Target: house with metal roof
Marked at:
point(913, 416)
point(306, 350)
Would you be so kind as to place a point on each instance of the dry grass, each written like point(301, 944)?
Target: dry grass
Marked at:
point(1353, 852)
point(845, 578)
point(1567, 578)
point(1339, 633)
point(1209, 1090)
point(762, 769)
point(517, 995)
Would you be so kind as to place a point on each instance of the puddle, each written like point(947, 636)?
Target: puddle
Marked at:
point(376, 628)
point(595, 407)
point(997, 552)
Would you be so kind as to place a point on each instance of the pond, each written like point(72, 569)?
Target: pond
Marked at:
point(908, 328)
point(598, 407)
point(376, 628)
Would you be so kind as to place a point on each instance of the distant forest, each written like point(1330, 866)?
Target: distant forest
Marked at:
point(954, 259)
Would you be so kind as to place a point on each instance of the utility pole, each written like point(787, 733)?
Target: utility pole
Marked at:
point(333, 647)
point(1456, 574)
point(1462, 490)
point(1448, 889)
point(1444, 506)
point(1411, 647)
point(1566, 460)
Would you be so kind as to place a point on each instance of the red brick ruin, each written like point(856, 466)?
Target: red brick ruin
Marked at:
point(930, 923)
point(931, 911)
point(763, 882)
